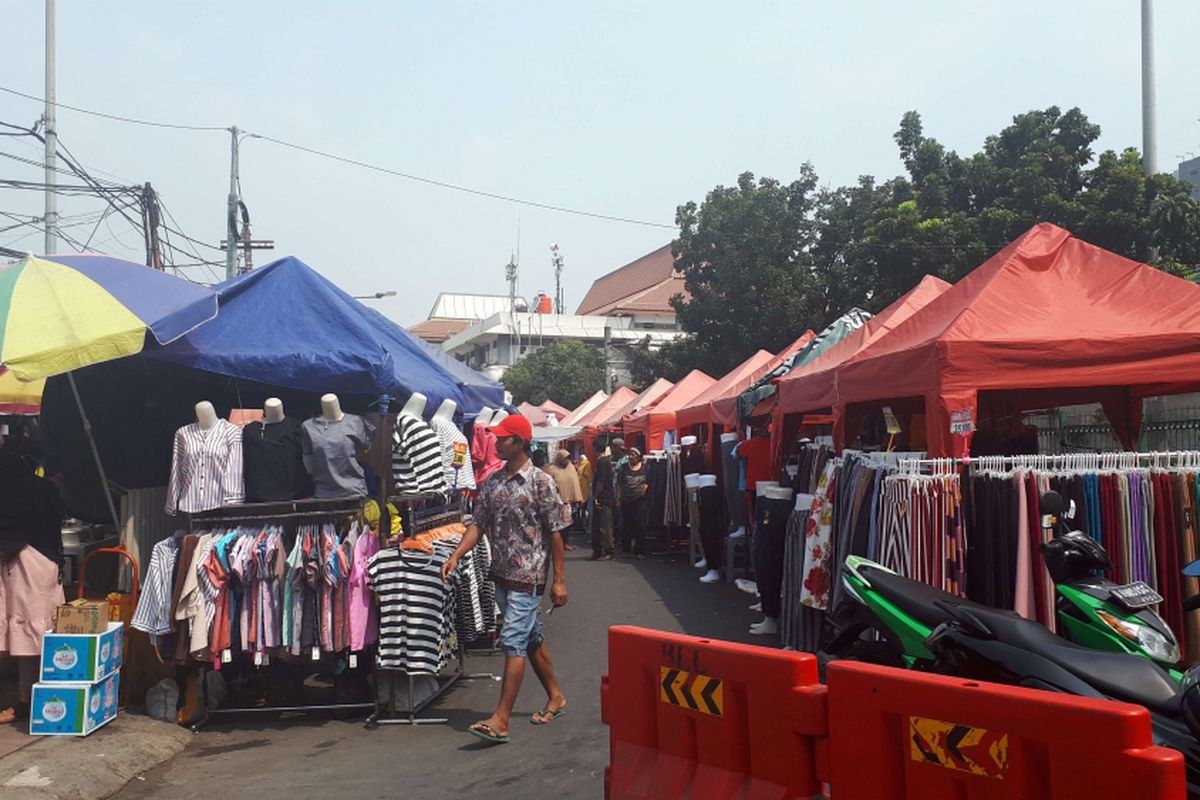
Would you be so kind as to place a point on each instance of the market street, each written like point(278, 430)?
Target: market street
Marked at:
point(311, 756)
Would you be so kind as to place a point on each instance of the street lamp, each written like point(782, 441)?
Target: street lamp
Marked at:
point(376, 296)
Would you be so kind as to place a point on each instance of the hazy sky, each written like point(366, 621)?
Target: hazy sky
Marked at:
point(626, 109)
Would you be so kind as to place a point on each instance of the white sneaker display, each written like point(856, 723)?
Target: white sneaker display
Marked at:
point(712, 576)
point(701, 564)
point(740, 533)
point(749, 587)
point(768, 627)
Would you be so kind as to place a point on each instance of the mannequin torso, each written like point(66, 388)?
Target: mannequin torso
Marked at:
point(484, 417)
point(415, 405)
point(331, 408)
point(446, 410)
point(498, 416)
point(273, 410)
point(206, 415)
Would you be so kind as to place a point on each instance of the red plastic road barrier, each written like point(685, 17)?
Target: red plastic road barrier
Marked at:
point(898, 735)
point(701, 718)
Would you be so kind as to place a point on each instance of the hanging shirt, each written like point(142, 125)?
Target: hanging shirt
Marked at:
point(416, 457)
point(206, 468)
point(415, 610)
point(364, 624)
point(153, 613)
point(332, 450)
point(456, 454)
point(483, 454)
point(757, 454)
point(274, 464)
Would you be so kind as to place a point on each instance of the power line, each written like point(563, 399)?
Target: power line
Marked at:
point(361, 164)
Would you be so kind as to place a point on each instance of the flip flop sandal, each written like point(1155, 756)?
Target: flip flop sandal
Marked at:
point(555, 714)
point(487, 733)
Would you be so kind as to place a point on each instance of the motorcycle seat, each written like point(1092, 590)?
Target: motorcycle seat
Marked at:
point(1118, 675)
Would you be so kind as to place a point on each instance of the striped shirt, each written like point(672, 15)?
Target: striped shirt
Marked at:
point(153, 612)
point(416, 610)
point(206, 468)
point(454, 450)
point(416, 457)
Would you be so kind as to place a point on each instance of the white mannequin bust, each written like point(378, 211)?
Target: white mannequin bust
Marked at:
point(446, 410)
point(331, 408)
point(273, 411)
point(415, 405)
point(499, 416)
point(484, 417)
point(728, 437)
point(206, 415)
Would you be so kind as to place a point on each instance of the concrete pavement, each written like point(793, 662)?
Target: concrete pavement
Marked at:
point(309, 756)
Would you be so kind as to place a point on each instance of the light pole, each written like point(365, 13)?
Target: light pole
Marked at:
point(1149, 101)
point(376, 296)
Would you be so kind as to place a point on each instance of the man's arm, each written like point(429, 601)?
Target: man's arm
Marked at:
point(469, 540)
point(558, 587)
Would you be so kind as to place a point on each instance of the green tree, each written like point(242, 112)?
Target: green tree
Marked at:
point(671, 361)
point(744, 254)
point(567, 372)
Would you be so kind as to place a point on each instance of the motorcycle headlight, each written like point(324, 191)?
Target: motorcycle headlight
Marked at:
point(1157, 646)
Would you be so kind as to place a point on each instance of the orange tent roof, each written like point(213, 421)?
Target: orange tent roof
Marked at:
point(814, 385)
point(614, 401)
point(649, 396)
point(700, 411)
point(660, 418)
point(724, 409)
point(1048, 314)
point(584, 408)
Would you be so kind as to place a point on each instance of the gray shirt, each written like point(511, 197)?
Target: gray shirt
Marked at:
point(331, 452)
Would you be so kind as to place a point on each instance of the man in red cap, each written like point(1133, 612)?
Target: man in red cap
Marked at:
point(520, 511)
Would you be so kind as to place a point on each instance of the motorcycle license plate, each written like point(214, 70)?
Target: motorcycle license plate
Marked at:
point(1136, 595)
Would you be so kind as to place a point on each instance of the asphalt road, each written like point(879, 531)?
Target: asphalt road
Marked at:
point(263, 757)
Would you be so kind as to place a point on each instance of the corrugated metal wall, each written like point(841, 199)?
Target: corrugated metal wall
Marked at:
point(144, 523)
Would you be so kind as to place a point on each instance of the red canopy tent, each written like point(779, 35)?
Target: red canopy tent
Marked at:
point(1048, 320)
point(660, 418)
point(538, 415)
point(616, 400)
point(584, 408)
point(649, 396)
point(814, 386)
point(700, 410)
point(724, 409)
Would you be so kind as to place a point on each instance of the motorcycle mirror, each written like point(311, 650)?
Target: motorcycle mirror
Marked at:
point(1051, 503)
point(1192, 570)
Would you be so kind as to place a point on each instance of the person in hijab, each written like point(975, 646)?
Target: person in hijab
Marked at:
point(566, 478)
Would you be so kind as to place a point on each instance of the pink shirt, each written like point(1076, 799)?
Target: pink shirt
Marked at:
point(483, 454)
point(364, 625)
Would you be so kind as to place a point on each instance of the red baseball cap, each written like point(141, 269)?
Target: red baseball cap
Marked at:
point(514, 425)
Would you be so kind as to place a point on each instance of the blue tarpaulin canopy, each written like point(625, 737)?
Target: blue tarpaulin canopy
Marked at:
point(286, 325)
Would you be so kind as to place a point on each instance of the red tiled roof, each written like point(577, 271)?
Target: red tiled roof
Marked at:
point(439, 330)
point(636, 278)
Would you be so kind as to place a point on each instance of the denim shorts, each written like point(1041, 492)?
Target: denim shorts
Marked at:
point(520, 629)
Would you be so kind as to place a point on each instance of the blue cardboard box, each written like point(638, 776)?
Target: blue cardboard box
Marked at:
point(82, 657)
point(73, 709)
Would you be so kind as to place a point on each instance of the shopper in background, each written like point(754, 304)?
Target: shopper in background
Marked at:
point(604, 498)
point(584, 468)
point(633, 489)
point(519, 511)
point(567, 481)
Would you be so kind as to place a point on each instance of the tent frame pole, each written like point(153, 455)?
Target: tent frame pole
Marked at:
point(87, 428)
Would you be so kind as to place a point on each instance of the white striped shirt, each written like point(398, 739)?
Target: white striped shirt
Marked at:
point(416, 457)
point(206, 468)
point(153, 613)
point(416, 610)
point(450, 436)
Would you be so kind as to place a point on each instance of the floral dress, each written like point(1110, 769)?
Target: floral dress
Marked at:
point(817, 582)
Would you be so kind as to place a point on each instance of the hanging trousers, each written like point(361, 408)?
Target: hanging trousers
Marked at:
point(770, 541)
point(711, 504)
point(734, 504)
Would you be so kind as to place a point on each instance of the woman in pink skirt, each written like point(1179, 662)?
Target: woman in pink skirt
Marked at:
point(30, 561)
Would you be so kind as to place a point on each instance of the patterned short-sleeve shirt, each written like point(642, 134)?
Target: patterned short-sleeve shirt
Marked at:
point(517, 513)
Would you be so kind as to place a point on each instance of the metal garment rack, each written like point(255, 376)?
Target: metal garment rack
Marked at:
point(310, 510)
point(415, 522)
point(1183, 459)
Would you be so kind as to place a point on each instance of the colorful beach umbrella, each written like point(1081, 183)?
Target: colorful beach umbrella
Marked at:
point(59, 313)
point(20, 397)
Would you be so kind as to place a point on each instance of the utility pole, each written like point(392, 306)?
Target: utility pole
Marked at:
point(150, 223)
point(557, 259)
point(51, 127)
point(1149, 101)
point(248, 244)
point(231, 219)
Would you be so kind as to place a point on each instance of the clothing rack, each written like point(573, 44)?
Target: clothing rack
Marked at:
point(1181, 459)
point(294, 509)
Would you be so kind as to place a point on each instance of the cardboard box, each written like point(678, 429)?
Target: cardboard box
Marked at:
point(82, 657)
point(73, 709)
point(82, 616)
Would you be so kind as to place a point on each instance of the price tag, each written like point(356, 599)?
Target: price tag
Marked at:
point(266, 659)
point(458, 459)
point(893, 424)
point(316, 654)
point(353, 661)
point(226, 656)
point(258, 659)
point(962, 421)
